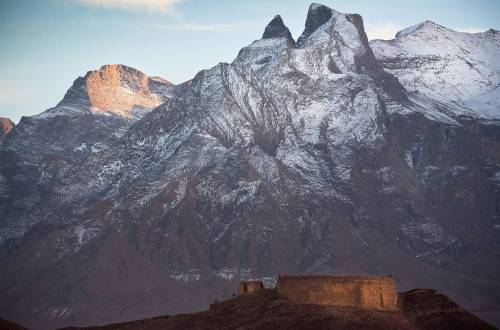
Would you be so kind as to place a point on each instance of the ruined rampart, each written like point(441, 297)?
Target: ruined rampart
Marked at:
point(350, 291)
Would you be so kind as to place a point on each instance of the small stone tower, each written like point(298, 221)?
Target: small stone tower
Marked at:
point(250, 286)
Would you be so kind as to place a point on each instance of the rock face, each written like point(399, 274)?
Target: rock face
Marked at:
point(266, 309)
point(124, 91)
point(299, 159)
point(316, 17)
point(6, 125)
point(277, 29)
point(115, 90)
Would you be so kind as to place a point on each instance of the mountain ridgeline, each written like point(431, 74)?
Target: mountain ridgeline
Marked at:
point(135, 197)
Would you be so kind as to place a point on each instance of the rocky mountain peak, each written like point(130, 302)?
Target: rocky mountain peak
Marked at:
point(277, 29)
point(333, 43)
point(6, 125)
point(342, 39)
point(122, 90)
point(316, 16)
point(114, 89)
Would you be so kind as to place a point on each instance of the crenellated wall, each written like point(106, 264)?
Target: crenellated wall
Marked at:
point(350, 291)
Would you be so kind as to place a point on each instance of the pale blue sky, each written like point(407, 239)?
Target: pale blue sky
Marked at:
point(45, 45)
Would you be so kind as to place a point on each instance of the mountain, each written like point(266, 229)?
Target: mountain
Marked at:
point(44, 151)
point(6, 126)
point(115, 90)
point(421, 310)
point(453, 66)
point(306, 156)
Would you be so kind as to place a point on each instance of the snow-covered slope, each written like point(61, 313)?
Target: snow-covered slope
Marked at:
point(446, 64)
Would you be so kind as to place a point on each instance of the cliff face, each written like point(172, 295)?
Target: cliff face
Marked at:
point(6, 125)
point(125, 91)
point(113, 90)
point(298, 158)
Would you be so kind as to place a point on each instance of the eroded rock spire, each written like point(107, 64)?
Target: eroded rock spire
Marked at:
point(277, 29)
point(316, 16)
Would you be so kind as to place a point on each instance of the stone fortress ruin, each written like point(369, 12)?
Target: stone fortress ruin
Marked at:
point(250, 286)
point(367, 292)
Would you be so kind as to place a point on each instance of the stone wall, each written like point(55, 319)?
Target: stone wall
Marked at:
point(362, 292)
point(250, 286)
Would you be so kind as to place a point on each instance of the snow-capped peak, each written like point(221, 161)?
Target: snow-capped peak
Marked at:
point(460, 67)
point(426, 25)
